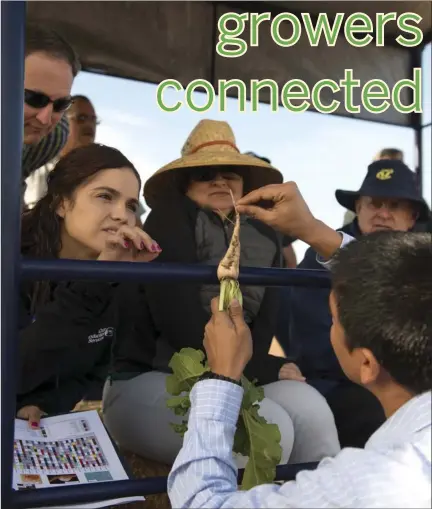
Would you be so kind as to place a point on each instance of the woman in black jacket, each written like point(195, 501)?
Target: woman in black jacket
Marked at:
point(67, 329)
point(192, 213)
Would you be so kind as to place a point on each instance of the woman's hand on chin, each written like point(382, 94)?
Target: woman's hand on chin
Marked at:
point(129, 244)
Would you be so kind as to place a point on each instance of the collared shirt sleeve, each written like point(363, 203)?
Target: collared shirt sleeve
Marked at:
point(206, 458)
point(204, 474)
point(346, 239)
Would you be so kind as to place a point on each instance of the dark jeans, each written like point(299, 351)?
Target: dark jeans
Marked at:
point(94, 391)
point(357, 412)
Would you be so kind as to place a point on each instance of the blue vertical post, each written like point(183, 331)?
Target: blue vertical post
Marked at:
point(12, 97)
point(415, 61)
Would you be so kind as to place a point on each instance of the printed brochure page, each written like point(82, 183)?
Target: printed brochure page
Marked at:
point(67, 450)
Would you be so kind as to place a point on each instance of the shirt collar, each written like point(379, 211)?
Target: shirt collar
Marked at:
point(412, 417)
point(53, 162)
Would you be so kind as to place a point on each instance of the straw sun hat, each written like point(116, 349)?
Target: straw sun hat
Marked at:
point(211, 143)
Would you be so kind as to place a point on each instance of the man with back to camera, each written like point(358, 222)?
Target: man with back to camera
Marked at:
point(387, 200)
point(382, 336)
point(50, 67)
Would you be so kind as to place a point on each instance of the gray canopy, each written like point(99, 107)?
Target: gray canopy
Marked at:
point(154, 41)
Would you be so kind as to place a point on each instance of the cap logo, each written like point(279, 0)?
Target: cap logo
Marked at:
point(385, 174)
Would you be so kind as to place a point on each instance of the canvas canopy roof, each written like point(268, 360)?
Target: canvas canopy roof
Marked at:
point(154, 41)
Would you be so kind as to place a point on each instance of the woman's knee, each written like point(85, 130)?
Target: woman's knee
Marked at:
point(136, 415)
point(117, 411)
point(303, 403)
point(314, 425)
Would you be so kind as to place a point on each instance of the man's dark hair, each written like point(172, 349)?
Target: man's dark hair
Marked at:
point(45, 40)
point(382, 285)
point(80, 97)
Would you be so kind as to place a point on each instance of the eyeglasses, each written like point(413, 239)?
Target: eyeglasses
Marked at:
point(40, 100)
point(389, 204)
point(83, 118)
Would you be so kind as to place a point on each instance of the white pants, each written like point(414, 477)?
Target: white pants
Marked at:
point(138, 419)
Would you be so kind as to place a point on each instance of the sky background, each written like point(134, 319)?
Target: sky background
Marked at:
point(321, 153)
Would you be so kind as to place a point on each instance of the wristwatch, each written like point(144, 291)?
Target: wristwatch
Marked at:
point(209, 375)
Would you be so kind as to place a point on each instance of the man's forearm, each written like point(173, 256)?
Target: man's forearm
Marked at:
point(322, 239)
point(198, 477)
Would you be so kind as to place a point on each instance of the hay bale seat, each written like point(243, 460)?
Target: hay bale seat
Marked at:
point(138, 467)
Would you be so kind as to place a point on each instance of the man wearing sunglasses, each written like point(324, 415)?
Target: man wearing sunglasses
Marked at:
point(51, 65)
point(82, 121)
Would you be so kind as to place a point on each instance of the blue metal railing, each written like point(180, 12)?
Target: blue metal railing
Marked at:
point(56, 270)
point(107, 490)
point(12, 100)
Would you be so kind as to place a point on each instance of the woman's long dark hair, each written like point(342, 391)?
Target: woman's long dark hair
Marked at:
point(41, 226)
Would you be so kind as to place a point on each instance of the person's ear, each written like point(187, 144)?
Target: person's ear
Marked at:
point(61, 209)
point(357, 206)
point(370, 368)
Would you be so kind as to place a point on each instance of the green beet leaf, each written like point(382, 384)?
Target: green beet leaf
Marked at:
point(180, 404)
point(252, 393)
point(241, 439)
point(187, 366)
point(265, 450)
point(179, 428)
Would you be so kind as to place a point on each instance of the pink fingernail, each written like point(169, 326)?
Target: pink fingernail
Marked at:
point(158, 248)
point(34, 424)
point(126, 244)
point(142, 245)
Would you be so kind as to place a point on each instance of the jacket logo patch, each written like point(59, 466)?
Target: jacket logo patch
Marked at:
point(101, 334)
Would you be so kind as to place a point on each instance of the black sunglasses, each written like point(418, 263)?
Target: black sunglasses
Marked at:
point(209, 174)
point(40, 100)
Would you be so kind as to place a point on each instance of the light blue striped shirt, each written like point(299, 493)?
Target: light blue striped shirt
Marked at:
point(392, 471)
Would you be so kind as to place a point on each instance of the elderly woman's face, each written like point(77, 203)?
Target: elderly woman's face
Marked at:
point(211, 188)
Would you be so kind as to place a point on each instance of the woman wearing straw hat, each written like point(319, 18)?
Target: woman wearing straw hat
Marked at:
point(192, 211)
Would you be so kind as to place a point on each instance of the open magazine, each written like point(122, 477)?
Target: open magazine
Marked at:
point(67, 450)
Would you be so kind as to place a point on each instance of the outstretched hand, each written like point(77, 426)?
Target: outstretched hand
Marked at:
point(288, 214)
point(227, 341)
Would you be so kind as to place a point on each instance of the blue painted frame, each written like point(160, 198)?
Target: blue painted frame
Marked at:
point(13, 269)
point(12, 100)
